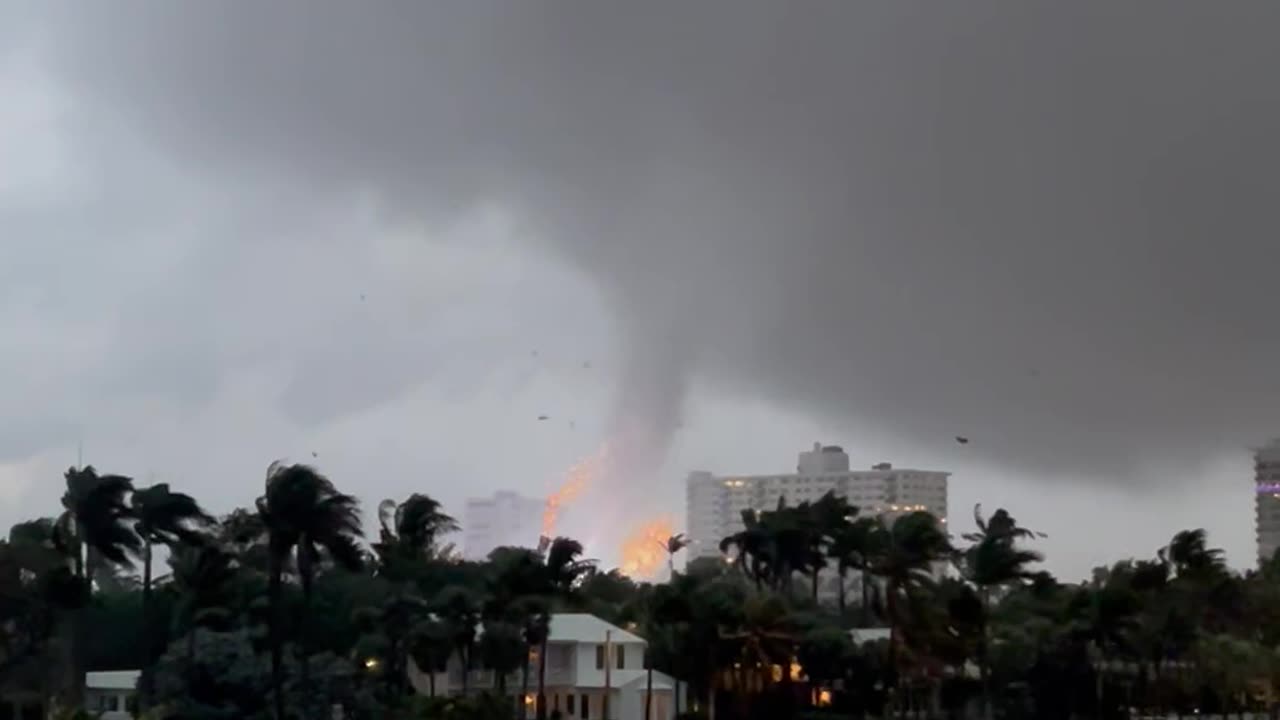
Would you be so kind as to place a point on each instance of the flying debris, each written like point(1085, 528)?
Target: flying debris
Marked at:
point(361, 297)
point(544, 417)
point(586, 366)
point(962, 440)
point(313, 454)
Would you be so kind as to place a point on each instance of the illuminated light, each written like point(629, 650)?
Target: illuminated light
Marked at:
point(644, 550)
point(371, 664)
point(797, 672)
point(824, 698)
point(528, 699)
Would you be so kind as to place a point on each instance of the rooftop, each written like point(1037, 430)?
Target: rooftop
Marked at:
point(112, 679)
point(584, 628)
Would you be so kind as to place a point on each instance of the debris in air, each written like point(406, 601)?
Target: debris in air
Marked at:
point(962, 440)
point(313, 454)
point(544, 417)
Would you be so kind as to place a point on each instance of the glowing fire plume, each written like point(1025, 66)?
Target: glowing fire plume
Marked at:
point(644, 551)
point(579, 477)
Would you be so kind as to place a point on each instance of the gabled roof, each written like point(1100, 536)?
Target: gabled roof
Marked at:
point(584, 628)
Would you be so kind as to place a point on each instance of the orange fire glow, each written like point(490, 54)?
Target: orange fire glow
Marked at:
point(578, 478)
point(643, 552)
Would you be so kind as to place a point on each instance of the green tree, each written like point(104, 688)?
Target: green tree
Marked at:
point(304, 515)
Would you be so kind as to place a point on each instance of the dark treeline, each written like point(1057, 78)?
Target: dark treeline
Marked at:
point(283, 610)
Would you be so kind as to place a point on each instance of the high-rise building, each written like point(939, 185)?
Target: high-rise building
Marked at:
point(715, 502)
point(1266, 481)
point(506, 518)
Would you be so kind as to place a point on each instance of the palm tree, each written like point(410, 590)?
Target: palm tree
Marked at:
point(94, 527)
point(502, 651)
point(304, 515)
point(202, 576)
point(1189, 553)
point(752, 547)
point(409, 532)
point(459, 609)
point(852, 548)
point(824, 521)
point(161, 516)
point(36, 587)
point(431, 645)
point(565, 569)
point(673, 545)
point(994, 561)
point(535, 627)
point(903, 556)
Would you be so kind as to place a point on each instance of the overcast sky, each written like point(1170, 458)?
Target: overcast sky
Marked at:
point(385, 237)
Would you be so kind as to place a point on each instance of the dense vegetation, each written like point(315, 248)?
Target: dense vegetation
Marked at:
point(282, 610)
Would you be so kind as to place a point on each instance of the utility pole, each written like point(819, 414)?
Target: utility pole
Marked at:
point(608, 678)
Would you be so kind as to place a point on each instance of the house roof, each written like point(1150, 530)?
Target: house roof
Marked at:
point(584, 628)
point(867, 635)
point(112, 680)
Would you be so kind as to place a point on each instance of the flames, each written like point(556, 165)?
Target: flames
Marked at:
point(644, 550)
point(577, 479)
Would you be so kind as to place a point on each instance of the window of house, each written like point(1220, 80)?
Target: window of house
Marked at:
point(568, 703)
point(599, 657)
point(586, 713)
point(622, 654)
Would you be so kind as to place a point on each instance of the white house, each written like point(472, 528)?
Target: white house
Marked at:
point(579, 648)
point(111, 694)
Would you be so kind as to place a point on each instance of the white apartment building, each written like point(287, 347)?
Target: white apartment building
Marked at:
point(1266, 481)
point(587, 660)
point(505, 519)
point(715, 502)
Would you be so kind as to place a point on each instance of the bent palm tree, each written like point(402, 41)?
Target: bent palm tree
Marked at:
point(94, 527)
point(565, 569)
point(161, 516)
point(304, 515)
point(673, 545)
point(994, 561)
point(903, 553)
point(409, 532)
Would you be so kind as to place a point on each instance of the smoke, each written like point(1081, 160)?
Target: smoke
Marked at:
point(1048, 227)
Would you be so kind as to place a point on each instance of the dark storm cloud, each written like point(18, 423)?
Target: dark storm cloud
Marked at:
point(1048, 227)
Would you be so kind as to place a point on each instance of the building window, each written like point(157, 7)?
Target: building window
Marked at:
point(586, 712)
point(622, 654)
point(568, 702)
point(599, 657)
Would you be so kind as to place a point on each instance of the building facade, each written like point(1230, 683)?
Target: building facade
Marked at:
point(506, 518)
point(1266, 482)
point(715, 502)
point(588, 660)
